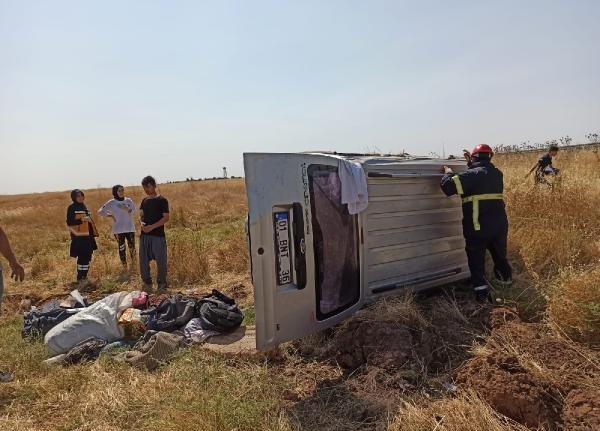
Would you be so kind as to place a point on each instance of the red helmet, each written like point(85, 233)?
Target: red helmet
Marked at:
point(482, 148)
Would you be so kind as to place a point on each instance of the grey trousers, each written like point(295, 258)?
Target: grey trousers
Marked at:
point(153, 248)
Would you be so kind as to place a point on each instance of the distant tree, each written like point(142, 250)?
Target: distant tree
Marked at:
point(565, 141)
point(594, 138)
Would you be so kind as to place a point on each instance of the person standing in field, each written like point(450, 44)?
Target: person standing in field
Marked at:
point(120, 209)
point(154, 213)
point(17, 271)
point(543, 166)
point(82, 229)
point(485, 224)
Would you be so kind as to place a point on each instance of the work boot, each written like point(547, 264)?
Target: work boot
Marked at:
point(501, 280)
point(482, 294)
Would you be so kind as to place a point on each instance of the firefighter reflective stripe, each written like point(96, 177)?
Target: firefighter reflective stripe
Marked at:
point(458, 184)
point(483, 197)
point(475, 199)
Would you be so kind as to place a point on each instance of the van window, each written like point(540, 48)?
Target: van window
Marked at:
point(336, 243)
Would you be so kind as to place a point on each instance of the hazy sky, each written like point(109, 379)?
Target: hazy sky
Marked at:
point(104, 92)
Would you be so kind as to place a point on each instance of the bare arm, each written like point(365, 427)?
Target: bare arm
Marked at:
point(159, 223)
point(17, 271)
point(532, 169)
point(77, 233)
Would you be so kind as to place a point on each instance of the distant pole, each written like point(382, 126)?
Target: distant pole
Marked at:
point(224, 172)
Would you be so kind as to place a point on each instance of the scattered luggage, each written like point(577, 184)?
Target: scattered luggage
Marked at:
point(83, 332)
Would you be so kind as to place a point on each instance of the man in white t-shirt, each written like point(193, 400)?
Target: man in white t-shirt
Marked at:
point(120, 209)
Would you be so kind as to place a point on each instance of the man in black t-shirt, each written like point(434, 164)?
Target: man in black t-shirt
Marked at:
point(154, 213)
point(544, 166)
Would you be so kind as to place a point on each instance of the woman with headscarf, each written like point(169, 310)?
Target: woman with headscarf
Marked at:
point(82, 230)
point(120, 209)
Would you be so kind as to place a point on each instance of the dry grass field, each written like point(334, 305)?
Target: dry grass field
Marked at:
point(435, 362)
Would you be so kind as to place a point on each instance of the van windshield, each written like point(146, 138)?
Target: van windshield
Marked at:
point(336, 241)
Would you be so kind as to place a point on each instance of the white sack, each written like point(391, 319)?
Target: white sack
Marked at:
point(98, 320)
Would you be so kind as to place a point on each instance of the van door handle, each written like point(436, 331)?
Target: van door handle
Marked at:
point(299, 245)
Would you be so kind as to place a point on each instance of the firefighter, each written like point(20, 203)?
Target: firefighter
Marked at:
point(485, 225)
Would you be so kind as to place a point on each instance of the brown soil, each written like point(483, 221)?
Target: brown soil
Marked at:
point(436, 346)
point(432, 338)
point(581, 411)
point(512, 390)
point(390, 352)
point(534, 377)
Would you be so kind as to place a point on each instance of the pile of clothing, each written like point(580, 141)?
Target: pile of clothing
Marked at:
point(150, 330)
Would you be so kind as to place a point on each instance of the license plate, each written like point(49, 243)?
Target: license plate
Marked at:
point(282, 248)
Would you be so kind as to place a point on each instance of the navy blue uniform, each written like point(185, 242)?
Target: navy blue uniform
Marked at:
point(485, 225)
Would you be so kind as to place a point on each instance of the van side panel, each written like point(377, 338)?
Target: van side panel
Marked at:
point(412, 233)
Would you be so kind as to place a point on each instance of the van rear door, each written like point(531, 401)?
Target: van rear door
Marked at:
point(304, 246)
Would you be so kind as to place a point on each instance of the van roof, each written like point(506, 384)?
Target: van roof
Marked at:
point(391, 160)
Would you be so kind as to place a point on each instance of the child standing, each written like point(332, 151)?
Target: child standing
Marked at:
point(154, 213)
point(120, 209)
point(82, 229)
point(544, 167)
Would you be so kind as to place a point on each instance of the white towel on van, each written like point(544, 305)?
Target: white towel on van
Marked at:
point(354, 186)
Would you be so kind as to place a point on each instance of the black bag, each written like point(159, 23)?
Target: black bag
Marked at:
point(39, 322)
point(171, 314)
point(218, 312)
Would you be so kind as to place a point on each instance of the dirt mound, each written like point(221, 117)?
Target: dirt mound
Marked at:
point(526, 370)
point(512, 390)
point(443, 346)
point(581, 410)
point(407, 338)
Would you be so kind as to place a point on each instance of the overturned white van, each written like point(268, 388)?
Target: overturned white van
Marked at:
point(313, 263)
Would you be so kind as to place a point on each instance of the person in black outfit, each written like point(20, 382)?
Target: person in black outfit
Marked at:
point(485, 224)
point(543, 166)
point(81, 228)
point(154, 213)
